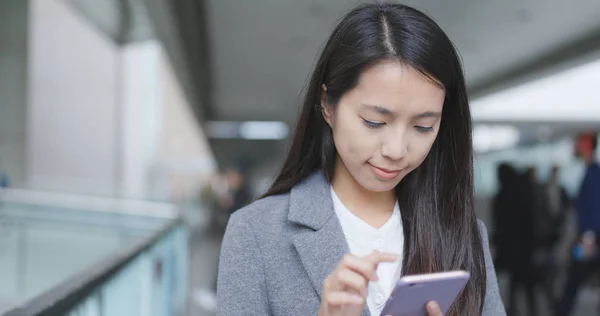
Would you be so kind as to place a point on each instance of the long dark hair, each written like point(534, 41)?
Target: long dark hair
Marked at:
point(436, 199)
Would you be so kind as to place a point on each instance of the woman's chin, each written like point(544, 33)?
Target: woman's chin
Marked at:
point(376, 185)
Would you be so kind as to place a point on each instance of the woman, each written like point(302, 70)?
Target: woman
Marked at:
point(378, 182)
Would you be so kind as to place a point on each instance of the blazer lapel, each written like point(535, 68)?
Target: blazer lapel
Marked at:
point(320, 240)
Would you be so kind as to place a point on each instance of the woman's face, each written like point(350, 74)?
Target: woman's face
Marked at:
point(385, 126)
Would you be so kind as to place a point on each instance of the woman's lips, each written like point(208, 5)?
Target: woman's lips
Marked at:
point(385, 174)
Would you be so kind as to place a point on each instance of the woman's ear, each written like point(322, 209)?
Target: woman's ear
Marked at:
point(326, 109)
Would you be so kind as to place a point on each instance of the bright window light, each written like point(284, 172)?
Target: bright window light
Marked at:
point(568, 96)
point(494, 137)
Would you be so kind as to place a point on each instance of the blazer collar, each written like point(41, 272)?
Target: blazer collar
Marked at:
point(320, 240)
point(310, 202)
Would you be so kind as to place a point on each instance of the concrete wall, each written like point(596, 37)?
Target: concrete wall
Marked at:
point(79, 114)
point(141, 105)
point(165, 154)
point(184, 159)
point(13, 88)
point(73, 119)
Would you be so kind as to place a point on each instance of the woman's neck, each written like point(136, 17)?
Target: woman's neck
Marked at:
point(375, 208)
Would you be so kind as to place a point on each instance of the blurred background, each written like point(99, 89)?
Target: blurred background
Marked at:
point(131, 129)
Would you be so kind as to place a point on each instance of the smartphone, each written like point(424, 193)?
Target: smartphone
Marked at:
point(412, 293)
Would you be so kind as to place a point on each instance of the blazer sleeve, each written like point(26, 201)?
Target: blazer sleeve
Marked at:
point(492, 305)
point(241, 288)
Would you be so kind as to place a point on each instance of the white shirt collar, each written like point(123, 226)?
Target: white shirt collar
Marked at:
point(363, 238)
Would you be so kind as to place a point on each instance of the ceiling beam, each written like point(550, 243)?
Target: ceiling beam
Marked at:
point(181, 27)
point(192, 23)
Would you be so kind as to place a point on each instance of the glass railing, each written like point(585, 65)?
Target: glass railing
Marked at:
point(69, 255)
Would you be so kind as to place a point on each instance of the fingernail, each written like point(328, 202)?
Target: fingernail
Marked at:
point(433, 308)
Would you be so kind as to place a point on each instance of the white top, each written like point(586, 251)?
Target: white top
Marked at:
point(363, 239)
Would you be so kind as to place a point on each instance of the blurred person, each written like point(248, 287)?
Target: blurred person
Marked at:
point(214, 197)
point(559, 201)
point(4, 182)
point(585, 259)
point(513, 236)
point(238, 191)
point(552, 209)
point(3, 185)
point(504, 204)
point(378, 182)
point(545, 229)
point(225, 193)
point(538, 235)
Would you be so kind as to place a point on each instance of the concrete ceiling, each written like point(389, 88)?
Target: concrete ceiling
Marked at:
point(249, 59)
point(261, 52)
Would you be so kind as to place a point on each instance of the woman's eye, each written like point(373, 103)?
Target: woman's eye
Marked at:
point(371, 124)
point(424, 129)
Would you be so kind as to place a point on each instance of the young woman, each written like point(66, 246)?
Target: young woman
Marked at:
point(378, 182)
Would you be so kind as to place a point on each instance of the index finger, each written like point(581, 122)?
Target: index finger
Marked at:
point(433, 309)
point(377, 257)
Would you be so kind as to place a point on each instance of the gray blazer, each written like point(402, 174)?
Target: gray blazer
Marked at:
point(278, 251)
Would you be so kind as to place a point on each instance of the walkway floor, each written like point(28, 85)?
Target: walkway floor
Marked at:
point(203, 266)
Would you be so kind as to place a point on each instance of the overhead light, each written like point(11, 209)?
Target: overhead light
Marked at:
point(251, 130)
point(494, 137)
point(263, 130)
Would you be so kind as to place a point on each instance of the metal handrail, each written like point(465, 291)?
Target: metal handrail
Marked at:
point(90, 203)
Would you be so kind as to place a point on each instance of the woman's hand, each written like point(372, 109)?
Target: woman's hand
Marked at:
point(345, 289)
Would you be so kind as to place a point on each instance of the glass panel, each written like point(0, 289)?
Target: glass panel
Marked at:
point(41, 247)
point(154, 283)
